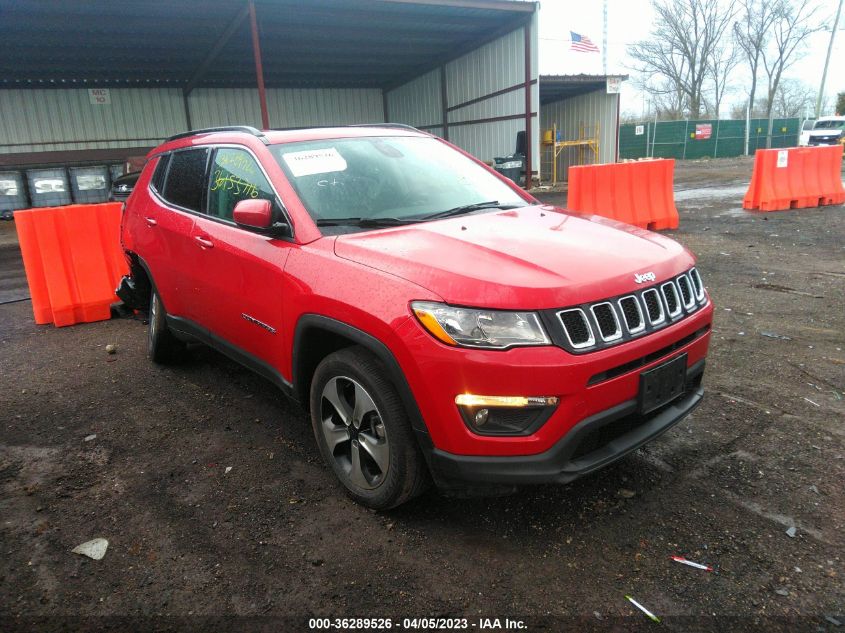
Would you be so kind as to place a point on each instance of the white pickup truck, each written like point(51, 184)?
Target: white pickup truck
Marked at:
point(827, 130)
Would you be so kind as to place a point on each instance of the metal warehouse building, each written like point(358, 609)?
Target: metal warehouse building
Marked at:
point(95, 81)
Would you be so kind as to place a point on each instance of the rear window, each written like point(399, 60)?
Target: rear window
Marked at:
point(186, 179)
point(160, 173)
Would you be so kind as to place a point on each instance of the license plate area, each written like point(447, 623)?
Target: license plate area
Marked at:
point(662, 384)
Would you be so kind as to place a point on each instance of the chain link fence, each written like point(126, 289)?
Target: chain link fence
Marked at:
point(712, 138)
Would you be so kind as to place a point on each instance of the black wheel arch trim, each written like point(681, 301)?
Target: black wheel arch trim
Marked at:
point(310, 321)
point(129, 293)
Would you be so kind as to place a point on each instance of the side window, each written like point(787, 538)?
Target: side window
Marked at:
point(235, 176)
point(186, 179)
point(160, 172)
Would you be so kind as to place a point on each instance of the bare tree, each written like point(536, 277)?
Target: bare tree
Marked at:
point(795, 21)
point(722, 63)
point(665, 100)
point(793, 98)
point(752, 32)
point(680, 47)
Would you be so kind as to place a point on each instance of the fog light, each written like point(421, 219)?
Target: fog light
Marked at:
point(505, 415)
point(481, 417)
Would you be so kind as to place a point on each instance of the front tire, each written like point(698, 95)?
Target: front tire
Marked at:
point(162, 346)
point(363, 430)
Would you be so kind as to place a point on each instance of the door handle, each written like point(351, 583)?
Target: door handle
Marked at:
point(151, 221)
point(204, 242)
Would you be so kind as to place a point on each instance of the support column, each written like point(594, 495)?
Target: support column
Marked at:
point(444, 103)
point(187, 111)
point(259, 70)
point(529, 144)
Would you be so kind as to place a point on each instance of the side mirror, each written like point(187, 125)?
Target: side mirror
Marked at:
point(256, 214)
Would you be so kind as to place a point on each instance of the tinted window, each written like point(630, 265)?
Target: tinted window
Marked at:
point(235, 176)
point(186, 179)
point(160, 172)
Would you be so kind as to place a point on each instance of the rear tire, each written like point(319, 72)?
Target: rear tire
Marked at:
point(162, 346)
point(363, 430)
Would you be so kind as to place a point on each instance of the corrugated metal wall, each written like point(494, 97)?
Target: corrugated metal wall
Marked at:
point(53, 120)
point(286, 107)
point(65, 119)
point(495, 66)
point(418, 102)
point(589, 110)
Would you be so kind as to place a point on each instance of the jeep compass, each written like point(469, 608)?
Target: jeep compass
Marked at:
point(437, 322)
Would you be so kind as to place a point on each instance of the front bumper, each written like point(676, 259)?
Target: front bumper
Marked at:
point(586, 384)
point(592, 444)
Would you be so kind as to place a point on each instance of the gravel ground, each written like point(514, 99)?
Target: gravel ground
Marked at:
point(100, 445)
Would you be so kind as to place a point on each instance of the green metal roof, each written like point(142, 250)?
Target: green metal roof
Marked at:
point(304, 43)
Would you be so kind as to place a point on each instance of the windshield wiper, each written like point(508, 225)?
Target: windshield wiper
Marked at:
point(468, 208)
point(365, 222)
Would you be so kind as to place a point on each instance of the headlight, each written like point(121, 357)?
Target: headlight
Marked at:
point(489, 329)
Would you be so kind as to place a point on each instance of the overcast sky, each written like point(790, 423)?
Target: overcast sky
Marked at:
point(631, 20)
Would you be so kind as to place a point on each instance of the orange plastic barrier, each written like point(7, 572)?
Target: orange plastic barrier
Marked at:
point(795, 178)
point(639, 193)
point(73, 261)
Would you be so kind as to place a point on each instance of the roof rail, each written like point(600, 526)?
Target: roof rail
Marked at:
point(246, 129)
point(400, 126)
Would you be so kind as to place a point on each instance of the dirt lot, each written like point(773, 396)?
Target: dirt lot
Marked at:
point(276, 538)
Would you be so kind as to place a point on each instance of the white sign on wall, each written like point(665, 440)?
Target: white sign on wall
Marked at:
point(99, 96)
point(613, 85)
point(639, 130)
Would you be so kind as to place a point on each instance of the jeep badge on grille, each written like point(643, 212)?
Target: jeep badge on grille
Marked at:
point(649, 276)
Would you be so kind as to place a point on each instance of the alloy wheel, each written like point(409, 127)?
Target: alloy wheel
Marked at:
point(354, 431)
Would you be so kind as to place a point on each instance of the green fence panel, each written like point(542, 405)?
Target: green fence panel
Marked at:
point(693, 139)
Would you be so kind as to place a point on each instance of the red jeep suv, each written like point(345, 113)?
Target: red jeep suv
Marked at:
point(438, 322)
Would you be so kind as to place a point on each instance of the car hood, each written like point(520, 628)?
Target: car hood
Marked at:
point(826, 132)
point(529, 258)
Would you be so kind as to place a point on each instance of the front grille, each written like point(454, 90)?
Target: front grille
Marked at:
point(697, 284)
point(673, 302)
point(654, 306)
point(606, 319)
point(686, 290)
point(592, 326)
point(577, 328)
point(632, 314)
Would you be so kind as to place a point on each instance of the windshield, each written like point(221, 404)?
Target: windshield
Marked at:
point(830, 125)
point(402, 179)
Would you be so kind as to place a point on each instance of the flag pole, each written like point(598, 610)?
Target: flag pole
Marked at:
point(604, 39)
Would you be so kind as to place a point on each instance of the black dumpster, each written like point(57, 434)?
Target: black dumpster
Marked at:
point(48, 187)
point(512, 167)
point(90, 184)
point(12, 193)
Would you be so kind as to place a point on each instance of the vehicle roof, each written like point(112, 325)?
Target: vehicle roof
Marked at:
point(830, 118)
point(274, 137)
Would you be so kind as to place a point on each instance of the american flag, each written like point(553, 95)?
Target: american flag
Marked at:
point(582, 43)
